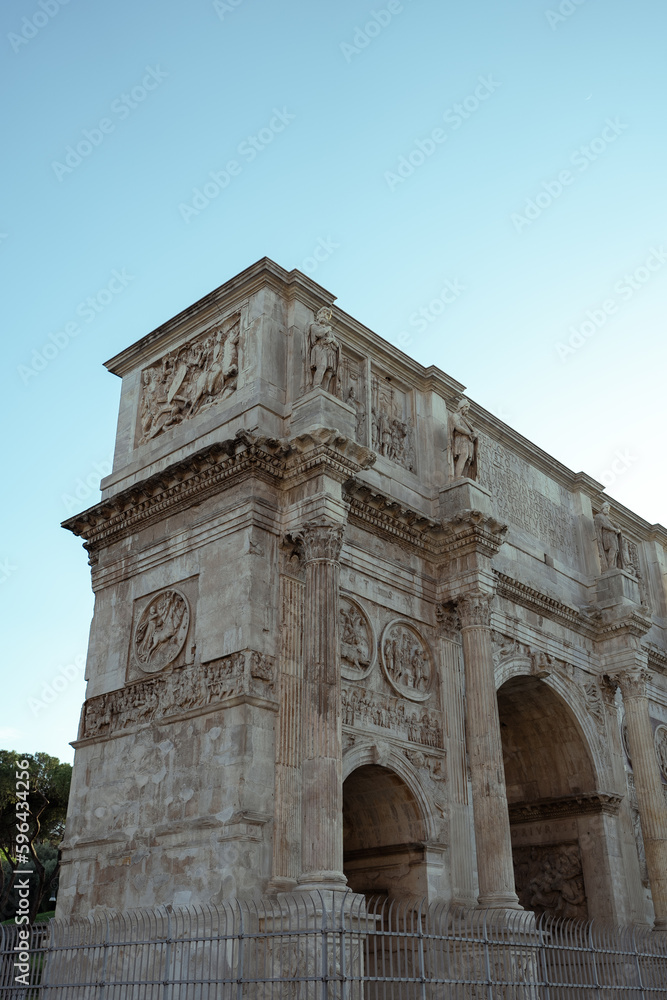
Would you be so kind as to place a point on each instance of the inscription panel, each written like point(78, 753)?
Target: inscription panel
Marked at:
point(519, 499)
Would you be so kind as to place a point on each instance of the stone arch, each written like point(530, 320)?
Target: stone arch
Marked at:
point(571, 694)
point(563, 834)
point(387, 823)
point(386, 755)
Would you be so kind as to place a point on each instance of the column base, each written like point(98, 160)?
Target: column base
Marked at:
point(328, 880)
point(660, 926)
point(499, 901)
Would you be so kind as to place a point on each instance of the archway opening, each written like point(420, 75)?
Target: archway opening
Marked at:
point(549, 776)
point(383, 834)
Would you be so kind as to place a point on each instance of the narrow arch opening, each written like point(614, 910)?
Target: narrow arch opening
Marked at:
point(383, 834)
point(549, 774)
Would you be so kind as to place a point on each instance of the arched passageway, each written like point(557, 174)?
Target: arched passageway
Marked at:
point(383, 834)
point(560, 833)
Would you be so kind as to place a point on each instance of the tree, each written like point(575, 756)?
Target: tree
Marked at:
point(45, 803)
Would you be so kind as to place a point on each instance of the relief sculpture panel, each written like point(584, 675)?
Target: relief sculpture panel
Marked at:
point(190, 379)
point(391, 423)
point(549, 879)
point(160, 633)
point(406, 660)
point(357, 641)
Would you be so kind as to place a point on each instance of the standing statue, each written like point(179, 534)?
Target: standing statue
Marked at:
point(609, 539)
point(462, 443)
point(324, 351)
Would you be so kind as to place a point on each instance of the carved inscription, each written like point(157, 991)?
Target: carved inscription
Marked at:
point(550, 880)
point(178, 690)
point(406, 660)
point(365, 709)
point(509, 478)
point(161, 631)
point(190, 379)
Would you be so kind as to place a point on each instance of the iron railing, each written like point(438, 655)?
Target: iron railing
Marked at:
point(332, 947)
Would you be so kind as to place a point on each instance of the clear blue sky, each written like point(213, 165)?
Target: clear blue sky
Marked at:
point(564, 110)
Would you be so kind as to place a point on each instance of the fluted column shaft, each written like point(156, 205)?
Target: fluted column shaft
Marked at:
point(648, 784)
point(485, 752)
point(321, 734)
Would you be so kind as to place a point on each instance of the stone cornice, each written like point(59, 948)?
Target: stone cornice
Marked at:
point(532, 599)
point(634, 624)
point(201, 475)
point(567, 806)
point(657, 657)
point(372, 507)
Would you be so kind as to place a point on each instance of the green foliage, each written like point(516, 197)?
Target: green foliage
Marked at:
point(45, 801)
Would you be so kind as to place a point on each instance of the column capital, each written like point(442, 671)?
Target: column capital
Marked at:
point(632, 681)
point(474, 609)
point(322, 540)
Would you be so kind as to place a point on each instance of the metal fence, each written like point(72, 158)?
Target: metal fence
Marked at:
point(331, 947)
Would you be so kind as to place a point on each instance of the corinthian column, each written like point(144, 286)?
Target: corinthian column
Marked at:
point(321, 760)
point(491, 816)
point(650, 798)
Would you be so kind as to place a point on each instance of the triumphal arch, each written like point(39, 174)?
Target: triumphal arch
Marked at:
point(351, 630)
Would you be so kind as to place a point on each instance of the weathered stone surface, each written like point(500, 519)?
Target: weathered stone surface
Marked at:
point(351, 628)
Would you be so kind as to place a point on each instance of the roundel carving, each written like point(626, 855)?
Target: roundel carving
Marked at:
point(357, 641)
point(161, 631)
point(661, 749)
point(406, 660)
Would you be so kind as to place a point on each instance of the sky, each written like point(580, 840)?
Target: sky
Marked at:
point(482, 184)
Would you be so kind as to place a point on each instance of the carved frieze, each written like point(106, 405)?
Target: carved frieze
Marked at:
point(406, 660)
point(549, 879)
point(352, 390)
point(190, 379)
point(177, 690)
point(392, 434)
point(364, 709)
point(161, 631)
point(357, 641)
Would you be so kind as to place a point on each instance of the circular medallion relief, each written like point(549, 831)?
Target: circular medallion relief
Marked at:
point(161, 631)
point(661, 749)
point(357, 642)
point(406, 660)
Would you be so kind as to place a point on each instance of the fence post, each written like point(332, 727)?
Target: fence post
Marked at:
point(240, 975)
point(167, 955)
